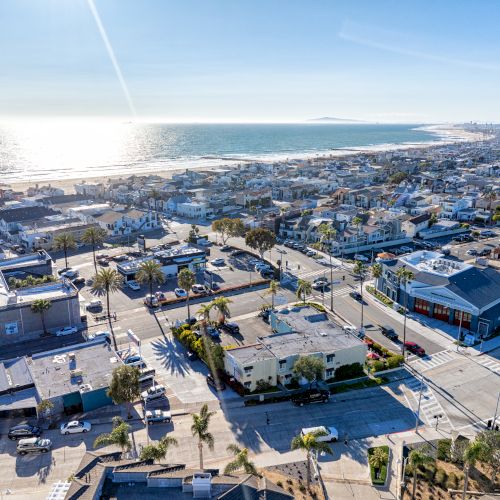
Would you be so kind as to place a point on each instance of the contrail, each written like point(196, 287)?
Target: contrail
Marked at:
point(112, 56)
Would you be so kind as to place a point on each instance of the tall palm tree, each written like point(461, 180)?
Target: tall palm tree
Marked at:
point(94, 236)
point(404, 276)
point(159, 451)
point(360, 270)
point(416, 458)
point(221, 304)
point(65, 242)
point(186, 279)
point(118, 437)
point(150, 273)
point(240, 461)
point(304, 288)
point(274, 286)
point(378, 458)
point(376, 273)
point(327, 234)
point(106, 282)
point(357, 221)
point(199, 429)
point(310, 444)
point(41, 306)
point(472, 453)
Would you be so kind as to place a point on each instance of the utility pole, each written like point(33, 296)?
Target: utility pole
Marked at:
point(496, 412)
point(417, 415)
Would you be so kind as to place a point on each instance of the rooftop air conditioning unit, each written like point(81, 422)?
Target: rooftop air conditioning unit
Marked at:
point(85, 388)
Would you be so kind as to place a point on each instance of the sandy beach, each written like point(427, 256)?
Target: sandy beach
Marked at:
point(445, 134)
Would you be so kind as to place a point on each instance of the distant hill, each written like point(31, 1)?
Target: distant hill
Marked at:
point(332, 119)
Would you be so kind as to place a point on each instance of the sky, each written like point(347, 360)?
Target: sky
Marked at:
point(412, 61)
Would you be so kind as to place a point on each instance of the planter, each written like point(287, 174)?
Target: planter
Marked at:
point(379, 478)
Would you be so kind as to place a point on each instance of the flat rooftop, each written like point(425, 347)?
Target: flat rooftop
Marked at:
point(434, 263)
point(22, 261)
point(14, 373)
point(82, 367)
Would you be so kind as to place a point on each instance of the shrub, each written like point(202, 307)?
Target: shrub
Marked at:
point(452, 481)
point(302, 488)
point(378, 366)
point(394, 361)
point(347, 372)
point(444, 449)
point(440, 477)
point(279, 483)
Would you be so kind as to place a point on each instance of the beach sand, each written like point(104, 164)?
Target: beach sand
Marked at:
point(445, 134)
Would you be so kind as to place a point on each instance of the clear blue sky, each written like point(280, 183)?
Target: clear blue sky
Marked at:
point(252, 60)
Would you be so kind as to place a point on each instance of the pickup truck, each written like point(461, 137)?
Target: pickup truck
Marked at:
point(157, 417)
point(311, 396)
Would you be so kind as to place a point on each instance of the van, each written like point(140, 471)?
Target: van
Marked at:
point(331, 433)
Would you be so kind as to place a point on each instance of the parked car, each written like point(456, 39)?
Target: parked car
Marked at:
point(218, 385)
point(236, 252)
point(100, 334)
point(78, 281)
point(133, 285)
point(94, 304)
point(157, 417)
point(134, 360)
point(154, 392)
point(231, 328)
point(213, 332)
point(67, 330)
point(415, 348)
point(219, 261)
point(120, 258)
point(264, 314)
point(23, 431)
point(267, 274)
point(75, 427)
point(70, 273)
point(180, 292)
point(199, 289)
point(103, 262)
point(356, 296)
point(361, 257)
point(192, 356)
point(330, 433)
point(389, 332)
point(487, 234)
point(484, 252)
point(405, 249)
point(226, 248)
point(471, 251)
point(311, 253)
point(33, 445)
point(311, 396)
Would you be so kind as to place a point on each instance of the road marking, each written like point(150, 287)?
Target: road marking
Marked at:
point(432, 360)
point(489, 363)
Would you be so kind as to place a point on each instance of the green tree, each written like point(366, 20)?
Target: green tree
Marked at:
point(472, 453)
point(94, 236)
point(119, 436)
point(404, 276)
point(260, 239)
point(159, 451)
point(228, 228)
point(274, 286)
point(311, 445)
point(304, 288)
point(186, 279)
point(41, 306)
point(65, 242)
point(125, 387)
point(378, 458)
point(490, 455)
point(44, 408)
point(221, 305)
point(360, 269)
point(194, 233)
point(309, 367)
point(376, 273)
point(416, 459)
point(199, 429)
point(433, 220)
point(150, 273)
point(327, 235)
point(240, 461)
point(398, 177)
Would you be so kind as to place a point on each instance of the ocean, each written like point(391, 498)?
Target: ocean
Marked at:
point(55, 150)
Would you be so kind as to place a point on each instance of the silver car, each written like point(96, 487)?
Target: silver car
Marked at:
point(33, 445)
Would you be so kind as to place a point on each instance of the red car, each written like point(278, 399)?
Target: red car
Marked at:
point(415, 348)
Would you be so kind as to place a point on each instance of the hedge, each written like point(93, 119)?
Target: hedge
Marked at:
point(383, 470)
point(380, 296)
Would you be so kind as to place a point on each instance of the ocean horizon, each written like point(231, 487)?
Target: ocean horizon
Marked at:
point(45, 151)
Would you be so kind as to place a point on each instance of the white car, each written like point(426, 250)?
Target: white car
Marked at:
point(70, 273)
point(197, 288)
point(133, 285)
point(94, 304)
point(360, 257)
point(155, 392)
point(331, 434)
point(99, 334)
point(75, 427)
point(219, 261)
point(67, 330)
point(180, 292)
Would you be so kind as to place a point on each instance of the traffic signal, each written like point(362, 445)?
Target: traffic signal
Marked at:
point(343, 278)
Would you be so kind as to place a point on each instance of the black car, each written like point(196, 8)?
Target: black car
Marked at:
point(389, 332)
point(192, 356)
point(218, 385)
point(264, 314)
point(231, 328)
point(78, 281)
point(356, 296)
point(311, 396)
point(24, 431)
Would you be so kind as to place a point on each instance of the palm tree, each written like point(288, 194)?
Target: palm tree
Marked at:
point(240, 461)
point(65, 242)
point(118, 437)
point(150, 273)
point(360, 270)
point(199, 429)
point(376, 273)
point(472, 453)
point(404, 276)
point(186, 279)
point(159, 451)
point(221, 305)
point(304, 288)
point(310, 444)
point(107, 281)
point(357, 221)
point(327, 234)
point(491, 197)
point(40, 306)
point(416, 458)
point(94, 236)
point(378, 458)
point(274, 286)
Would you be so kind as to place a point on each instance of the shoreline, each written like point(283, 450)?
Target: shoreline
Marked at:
point(445, 135)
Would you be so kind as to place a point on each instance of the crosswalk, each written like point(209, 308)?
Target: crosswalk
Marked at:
point(432, 360)
point(488, 362)
point(429, 405)
point(338, 292)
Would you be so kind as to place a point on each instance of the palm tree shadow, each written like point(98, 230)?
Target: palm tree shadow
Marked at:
point(171, 355)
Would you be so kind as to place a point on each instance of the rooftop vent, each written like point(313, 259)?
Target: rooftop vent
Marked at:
point(85, 388)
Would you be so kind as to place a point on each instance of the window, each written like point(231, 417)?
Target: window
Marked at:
point(330, 372)
point(247, 385)
point(329, 358)
point(282, 363)
point(248, 369)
